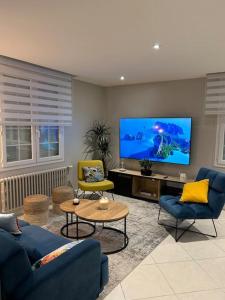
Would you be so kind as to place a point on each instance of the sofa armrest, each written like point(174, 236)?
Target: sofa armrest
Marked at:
point(76, 274)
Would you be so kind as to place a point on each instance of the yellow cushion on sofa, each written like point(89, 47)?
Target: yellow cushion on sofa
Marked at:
point(196, 192)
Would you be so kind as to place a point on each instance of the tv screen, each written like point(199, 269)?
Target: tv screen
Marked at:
point(157, 139)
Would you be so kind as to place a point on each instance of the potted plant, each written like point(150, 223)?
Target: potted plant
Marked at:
point(146, 166)
point(97, 143)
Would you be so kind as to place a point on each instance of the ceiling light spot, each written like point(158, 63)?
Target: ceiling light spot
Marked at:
point(156, 46)
point(122, 78)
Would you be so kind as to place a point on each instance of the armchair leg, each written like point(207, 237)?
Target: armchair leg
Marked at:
point(214, 228)
point(176, 227)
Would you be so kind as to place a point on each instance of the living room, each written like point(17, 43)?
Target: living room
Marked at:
point(107, 63)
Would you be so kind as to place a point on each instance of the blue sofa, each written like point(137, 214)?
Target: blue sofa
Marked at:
point(181, 211)
point(78, 274)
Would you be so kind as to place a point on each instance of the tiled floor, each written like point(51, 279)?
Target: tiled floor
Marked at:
point(192, 269)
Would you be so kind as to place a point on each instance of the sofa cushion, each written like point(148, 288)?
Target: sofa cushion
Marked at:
point(22, 223)
point(54, 254)
point(42, 240)
point(15, 267)
point(9, 223)
point(104, 270)
point(32, 253)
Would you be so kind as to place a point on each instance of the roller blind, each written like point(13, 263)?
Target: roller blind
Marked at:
point(33, 95)
point(215, 94)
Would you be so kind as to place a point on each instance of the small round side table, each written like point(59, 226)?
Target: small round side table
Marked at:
point(70, 210)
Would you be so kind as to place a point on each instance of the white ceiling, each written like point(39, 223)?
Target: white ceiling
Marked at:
point(99, 40)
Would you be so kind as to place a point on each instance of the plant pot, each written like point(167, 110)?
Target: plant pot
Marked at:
point(146, 172)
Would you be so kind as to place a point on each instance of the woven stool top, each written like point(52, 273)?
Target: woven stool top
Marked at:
point(64, 188)
point(36, 198)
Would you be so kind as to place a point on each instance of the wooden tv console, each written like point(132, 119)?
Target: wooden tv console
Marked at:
point(131, 183)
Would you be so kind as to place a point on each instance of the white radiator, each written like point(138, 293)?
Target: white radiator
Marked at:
point(13, 189)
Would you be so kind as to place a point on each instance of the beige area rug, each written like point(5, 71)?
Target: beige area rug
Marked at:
point(143, 231)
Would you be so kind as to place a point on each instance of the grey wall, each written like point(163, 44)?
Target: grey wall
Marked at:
point(165, 99)
point(88, 105)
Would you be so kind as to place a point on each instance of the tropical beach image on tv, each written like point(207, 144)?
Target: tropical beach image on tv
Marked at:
point(157, 139)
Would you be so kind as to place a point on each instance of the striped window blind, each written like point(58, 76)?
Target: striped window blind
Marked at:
point(215, 94)
point(33, 95)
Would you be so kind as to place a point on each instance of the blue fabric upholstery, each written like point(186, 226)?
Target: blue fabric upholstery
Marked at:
point(80, 273)
point(44, 243)
point(212, 210)
point(22, 223)
point(15, 266)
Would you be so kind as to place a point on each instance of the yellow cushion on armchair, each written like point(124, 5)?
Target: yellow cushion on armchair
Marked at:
point(196, 192)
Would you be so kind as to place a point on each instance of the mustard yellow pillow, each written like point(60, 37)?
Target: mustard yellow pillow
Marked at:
point(196, 192)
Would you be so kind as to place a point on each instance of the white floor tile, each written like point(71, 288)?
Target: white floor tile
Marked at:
point(222, 215)
point(148, 260)
point(169, 253)
point(116, 294)
point(203, 249)
point(220, 243)
point(170, 297)
point(206, 295)
point(215, 268)
point(220, 226)
point(144, 282)
point(186, 277)
point(168, 240)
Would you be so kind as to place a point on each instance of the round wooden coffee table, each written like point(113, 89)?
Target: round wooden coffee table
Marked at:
point(89, 211)
point(70, 210)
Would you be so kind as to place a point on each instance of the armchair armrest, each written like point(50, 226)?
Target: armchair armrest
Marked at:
point(76, 274)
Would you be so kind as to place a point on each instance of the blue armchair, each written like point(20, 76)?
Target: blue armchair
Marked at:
point(192, 211)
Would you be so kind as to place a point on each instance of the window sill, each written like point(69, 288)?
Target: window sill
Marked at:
point(6, 169)
point(219, 165)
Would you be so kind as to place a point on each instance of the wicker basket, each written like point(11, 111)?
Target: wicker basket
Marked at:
point(59, 195)
point(36, 209)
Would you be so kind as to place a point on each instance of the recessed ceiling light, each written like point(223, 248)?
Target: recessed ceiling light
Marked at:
point(122, 78)
point(156, 46)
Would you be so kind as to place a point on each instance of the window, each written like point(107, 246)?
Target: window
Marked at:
point(220, 142)
point(18, 143)
point(35, 106)
point(49, 144)
point(30, 145)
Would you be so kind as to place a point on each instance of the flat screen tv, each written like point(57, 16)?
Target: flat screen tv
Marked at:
point(157, 139)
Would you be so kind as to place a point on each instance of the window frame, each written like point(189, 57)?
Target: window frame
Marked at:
point(220, 142)
point(36, 160)
point(6, 164)
point(61, 147)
